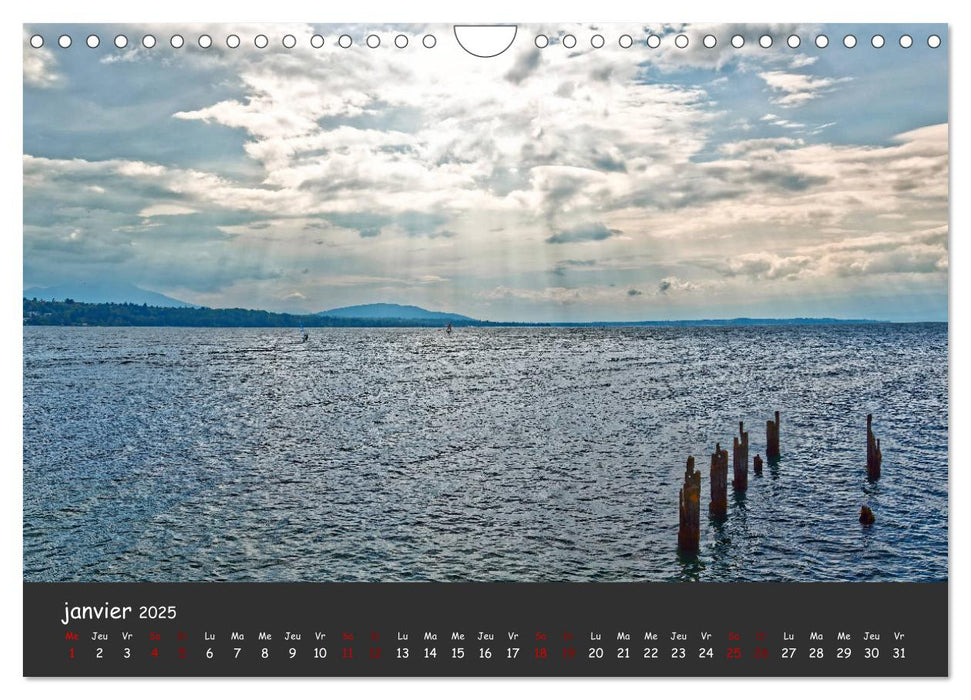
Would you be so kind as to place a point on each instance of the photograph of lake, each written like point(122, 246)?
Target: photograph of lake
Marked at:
point(526, 454)
point(362, 303)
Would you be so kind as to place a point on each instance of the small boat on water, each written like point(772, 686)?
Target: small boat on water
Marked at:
point(305, 336)
point(448, 328)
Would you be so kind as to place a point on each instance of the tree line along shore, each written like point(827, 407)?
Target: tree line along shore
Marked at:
point(39, 312)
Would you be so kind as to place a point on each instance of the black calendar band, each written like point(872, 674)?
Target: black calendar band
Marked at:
point(485, 629)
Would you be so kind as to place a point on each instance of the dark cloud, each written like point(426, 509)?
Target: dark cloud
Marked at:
point(524, 66)
point(563, 266)
point(584, 232)
point(713, 183)
point(602, 74)
point(367, 225)
point(607, 162)
point(663, 286)
point(787, 180)
point(634, 292)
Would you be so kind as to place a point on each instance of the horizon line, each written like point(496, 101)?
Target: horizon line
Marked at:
point(469, 320)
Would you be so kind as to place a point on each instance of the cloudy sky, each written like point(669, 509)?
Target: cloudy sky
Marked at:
point(543, 184)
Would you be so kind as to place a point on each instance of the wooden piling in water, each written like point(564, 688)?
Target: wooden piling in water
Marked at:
point(718, 507)
point(772, 438)
point(873, 454)
point(740, 460)
point(757, 464)
point(866, 516)
point(689, 507)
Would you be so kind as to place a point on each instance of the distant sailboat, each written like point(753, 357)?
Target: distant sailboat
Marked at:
point(305, 334)
point(448, 328)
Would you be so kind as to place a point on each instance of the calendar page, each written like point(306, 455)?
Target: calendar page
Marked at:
point(485, 350)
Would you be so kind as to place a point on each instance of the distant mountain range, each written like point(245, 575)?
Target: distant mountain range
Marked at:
point(43, 312)
point(103, 293)
point(393, 311)
point(114, 304)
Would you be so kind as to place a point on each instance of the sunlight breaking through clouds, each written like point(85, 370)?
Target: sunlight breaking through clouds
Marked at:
point(543, 184)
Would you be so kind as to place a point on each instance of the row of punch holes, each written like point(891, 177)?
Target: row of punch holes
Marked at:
point(542, 41)
point(260, 41)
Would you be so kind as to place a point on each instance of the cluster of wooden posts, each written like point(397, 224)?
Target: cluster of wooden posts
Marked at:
point(689, 531)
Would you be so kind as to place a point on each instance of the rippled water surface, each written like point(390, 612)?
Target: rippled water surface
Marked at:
point(527, 454)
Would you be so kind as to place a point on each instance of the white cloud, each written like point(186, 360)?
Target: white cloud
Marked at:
point(797, 88)
point(40, 66)
point(164, 210)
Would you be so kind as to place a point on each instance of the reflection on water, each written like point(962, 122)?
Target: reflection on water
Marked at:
point(522, 454)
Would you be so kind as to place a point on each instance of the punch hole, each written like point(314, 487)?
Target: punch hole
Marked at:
point(232, 41)
point(429, 41)
point(261, 42)
point(934, 41)
point(64, 41)
point(765, 41)
point(401, 41)
point(541, 41)
point(625, 41)
point(822, 41)
point(177, 41)
point(793, 41)
point(738, 41)
point(205, 41)
point(849, 41)
point(316, 41)
point(36, 41)
point(93, 41)
point(906, 41)
point(344, 41)
point(148, 41)
point(681, 41)
point(877, 41)
point(569, 41)
point(121, 41)
point(653, 41)
point(373, 41)
point(710, 41)
point(289, 41)
point(597, 41)
point(484, 40)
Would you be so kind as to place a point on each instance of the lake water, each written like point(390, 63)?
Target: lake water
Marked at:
point(516, 454)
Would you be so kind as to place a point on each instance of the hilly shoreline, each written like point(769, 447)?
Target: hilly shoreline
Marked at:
point(37, 312)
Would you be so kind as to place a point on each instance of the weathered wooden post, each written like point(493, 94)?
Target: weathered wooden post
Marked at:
point(718, 507)
point(866, 516)
point(772, 438)
point(740, 460)
point(757, 464)
point(690, 498)
point(873, 454)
